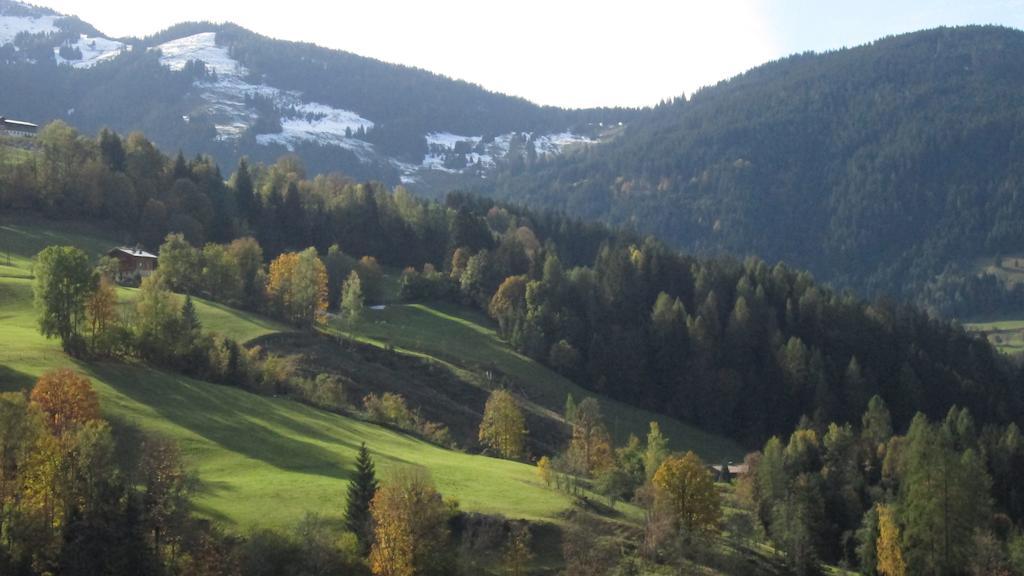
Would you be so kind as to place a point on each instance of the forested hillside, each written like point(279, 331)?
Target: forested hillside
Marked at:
point(743, 348)
point(886, 168)
point(757, 352)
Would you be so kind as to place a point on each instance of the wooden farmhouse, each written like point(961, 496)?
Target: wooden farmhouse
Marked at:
point(134, 264)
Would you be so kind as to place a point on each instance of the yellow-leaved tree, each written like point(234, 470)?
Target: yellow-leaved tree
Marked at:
point(410, 535)
point(590, 450)
point(101, 312)
point(887, 547)
point(503, 427)
point(297, 288)
point(544, 470)
point(685, 490)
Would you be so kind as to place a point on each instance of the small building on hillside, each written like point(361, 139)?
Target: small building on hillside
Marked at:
point(17, 128)
point(735, 471)
point(135, 264)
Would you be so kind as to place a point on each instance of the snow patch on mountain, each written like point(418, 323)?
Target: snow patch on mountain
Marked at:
point(447, 152)
point(226, 94)
point(11, 26)
point(177, 53)
point(553, 144)
point(452, 153)
point(319, 123)
point(94, 50)
point(227, 100)
point(447, 140)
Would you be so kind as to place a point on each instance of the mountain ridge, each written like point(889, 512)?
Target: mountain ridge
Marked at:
point(876, 167)
point(284, 97)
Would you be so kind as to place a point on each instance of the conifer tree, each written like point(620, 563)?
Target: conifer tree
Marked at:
point(361, 491)
point(570, 408)
point(245, 195)
point(876, 424)
point(189, 318)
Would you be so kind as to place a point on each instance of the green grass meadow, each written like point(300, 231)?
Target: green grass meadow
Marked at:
point(1006, 335)
point(262, 462)
point(467, 340)
point(265, 462)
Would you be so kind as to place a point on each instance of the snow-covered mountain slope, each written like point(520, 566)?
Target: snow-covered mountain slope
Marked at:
point(11, 26)
point(93, 50)
point(228, 95)
point(69, 48)
point(258, 97)
point(452, 153)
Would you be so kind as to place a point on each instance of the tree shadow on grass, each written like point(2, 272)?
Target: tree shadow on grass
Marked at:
point(12, 380)
point(240, 422)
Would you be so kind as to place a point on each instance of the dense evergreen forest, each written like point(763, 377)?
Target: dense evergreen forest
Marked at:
point(885, 168)
point(740, 347)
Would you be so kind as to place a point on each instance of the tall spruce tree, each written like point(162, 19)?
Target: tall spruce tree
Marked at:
point(190, 318)
point(245, 194)
point(360, 493)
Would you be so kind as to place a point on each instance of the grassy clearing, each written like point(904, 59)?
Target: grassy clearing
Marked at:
point(263, 461)
point(240, 325)
point(22, 238)
point(1009, 268)
point(466, 340)
point(1006, 335)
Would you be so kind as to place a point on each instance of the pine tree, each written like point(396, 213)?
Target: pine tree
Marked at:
point(570, 409)
point(180, 170)
point(245, 195)
point(361, 491)
point(876, 424)
point(189, 318)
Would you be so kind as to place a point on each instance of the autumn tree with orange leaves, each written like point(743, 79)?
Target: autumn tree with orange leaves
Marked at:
point(66, 399)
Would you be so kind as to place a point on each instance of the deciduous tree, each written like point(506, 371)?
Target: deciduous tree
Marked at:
point(66, 399)
point(411, 534)
point(684, 487)
point(887, 548)
point(101, 313)
point(352, 298)
point(180, 263)
point(590, 449)
point(64, 279)
point(503, 427)
point(297, 287)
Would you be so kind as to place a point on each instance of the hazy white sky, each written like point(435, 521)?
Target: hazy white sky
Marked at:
point(563, 52)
